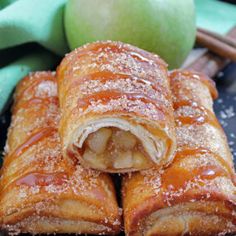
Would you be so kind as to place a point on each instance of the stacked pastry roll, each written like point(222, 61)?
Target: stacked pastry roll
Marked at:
point(40, 191)
point(196, 194)
point(116, 108)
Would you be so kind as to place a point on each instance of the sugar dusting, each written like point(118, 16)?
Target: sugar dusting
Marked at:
point(196, 188)
point(130, 85)
point(125, 105)
point(144, 91)
point(45, 157)
point(227, 115)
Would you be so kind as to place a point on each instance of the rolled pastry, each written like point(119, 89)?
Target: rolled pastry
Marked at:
point(42, 192)
point(196, 194)
point(116, 108)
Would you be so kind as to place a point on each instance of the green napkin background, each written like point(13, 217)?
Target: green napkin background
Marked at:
point(215, 15)
point(23, 22)
point(32, 36)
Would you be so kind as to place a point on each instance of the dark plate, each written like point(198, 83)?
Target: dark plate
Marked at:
point(225, 109)
point(225, 105)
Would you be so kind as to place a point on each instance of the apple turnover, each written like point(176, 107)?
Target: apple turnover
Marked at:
point(116, 108)
point(196, 194)
point(41, 191)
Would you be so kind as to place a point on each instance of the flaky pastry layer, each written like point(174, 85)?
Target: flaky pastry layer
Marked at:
point(196, 194)
point(41, 191)
point(121, 88)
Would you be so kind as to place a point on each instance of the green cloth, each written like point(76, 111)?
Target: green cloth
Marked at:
point(24, 22)
point(216, 16)
point(33, 21)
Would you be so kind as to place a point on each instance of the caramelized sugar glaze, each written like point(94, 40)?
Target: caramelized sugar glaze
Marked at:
point(39, 179)
point(201, 174)
point(112, 80)
point(36, 181)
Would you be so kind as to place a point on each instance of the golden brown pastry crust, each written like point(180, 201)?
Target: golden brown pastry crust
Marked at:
point(196, 194)
point(118, 85)
point(42, 192)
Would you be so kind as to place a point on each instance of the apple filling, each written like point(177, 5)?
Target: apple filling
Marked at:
point(114, 148)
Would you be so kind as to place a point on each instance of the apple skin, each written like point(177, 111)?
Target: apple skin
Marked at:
point(165, 27)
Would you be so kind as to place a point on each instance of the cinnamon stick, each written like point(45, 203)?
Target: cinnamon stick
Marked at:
point(210, 63)
point(216, 45)
point(222, 38)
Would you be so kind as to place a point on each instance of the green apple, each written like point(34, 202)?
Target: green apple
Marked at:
point(165, 27)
